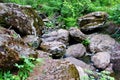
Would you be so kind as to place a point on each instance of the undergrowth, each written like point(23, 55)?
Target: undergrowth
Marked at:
point(104, 75)
point(24, 68)
point(66, 12)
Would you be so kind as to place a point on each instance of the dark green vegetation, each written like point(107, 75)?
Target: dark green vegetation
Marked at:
point(24, 68)
point(66, 12)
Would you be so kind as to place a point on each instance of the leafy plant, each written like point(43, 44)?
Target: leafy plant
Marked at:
point(115, 16)
point(104, 75)
point(86, 42)
point(66, 12)
point(24, 67)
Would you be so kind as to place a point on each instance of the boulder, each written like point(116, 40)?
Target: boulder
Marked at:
point(42, 54)
point(12, 48)
point(7, 35)
point(60, 35)
point(21, 48)
point(54, 70)
point(11, 52)
point(76, 34)
point(79, 63)
point(32, 41)
point(23, 19)
point(116, 62)
point(92, 21)
point(101, 42)
point(76, 50)
point(110, 68)
point(55, 48)
point(8, 58)
point(101, 59)
point(115, 59)
point(83, 75)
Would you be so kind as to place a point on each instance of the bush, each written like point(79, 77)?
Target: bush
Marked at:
point(66, 12)
point(24, 68)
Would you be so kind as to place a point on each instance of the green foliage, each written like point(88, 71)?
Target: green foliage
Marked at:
point(86, 42)
point(115, 16)
point(25, 67)
point(104, 75)
point(66, 12)
point(6, 75)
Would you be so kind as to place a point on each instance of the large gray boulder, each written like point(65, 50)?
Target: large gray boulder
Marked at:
point(32, 41)
point(76, 50)
point(54, 70)
point(60, 35)
point(12, 48)
point(115, 58)
point(80, 63)
point(92, 20)
point(55, 48)
point(101, 42)
point(23, 19)
point(76, 34)
point(101, 59)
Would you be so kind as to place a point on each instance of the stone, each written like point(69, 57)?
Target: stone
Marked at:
point(110, 68)
point(11, 52)
point(76, 50)
point(101, 59)
point(42, 54)
point(83, 75)
point(8, 58)
point(80, 63)
point(101, 42)
point(32, 41)
point(92, 20)
point(60, 35)
point(76, 34)
point(12, 48)
point(54, 70)
point(23, 19)
point(63, 36)
point(55, 48)
point(115, 59)
point(7, 35)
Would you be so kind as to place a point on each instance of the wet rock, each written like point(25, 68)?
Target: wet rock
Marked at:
point(76, 34)
point(54, 70)
point(32, 40)
point(57, 49)
point(76, 50)
point(23, 19)
point(101, 59)
point(60, 35)
point(80, 63)
point(101, 42)
point(92, 20)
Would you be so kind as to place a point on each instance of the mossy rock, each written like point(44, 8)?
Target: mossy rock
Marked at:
point(23, 19)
